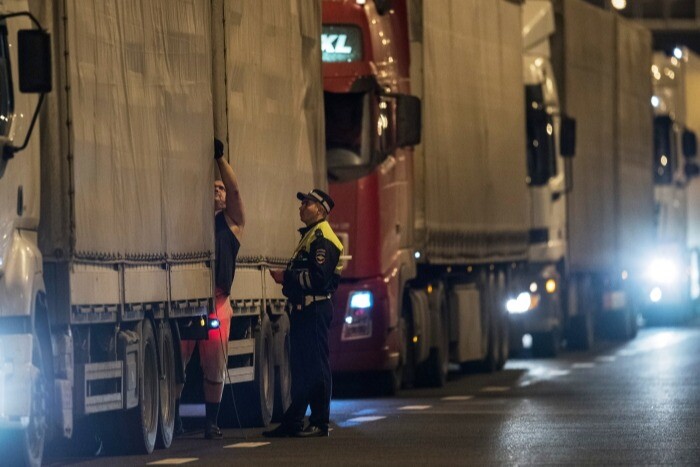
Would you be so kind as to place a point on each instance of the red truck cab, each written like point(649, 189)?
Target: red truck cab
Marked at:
point(371, 124)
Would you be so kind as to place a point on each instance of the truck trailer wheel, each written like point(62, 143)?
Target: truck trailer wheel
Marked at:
point(166, 413)
point(580, 332)
point(546, 344)
point(283, 376)
point(26, 447)
point(391, 381)
point(491, 314)
point(433, 372)
point(253, 402)
point(135, 430)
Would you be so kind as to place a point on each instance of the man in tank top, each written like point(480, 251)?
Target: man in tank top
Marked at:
point(229, 220)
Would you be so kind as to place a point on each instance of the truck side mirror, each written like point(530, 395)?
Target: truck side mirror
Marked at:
point(382, 6)
point(690, 144)
point(34, 56)
point(408, 120)
point(567, 138)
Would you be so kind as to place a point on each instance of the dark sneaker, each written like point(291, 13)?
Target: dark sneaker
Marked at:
point(281, 431)
point(213, 432)
point(312, 431)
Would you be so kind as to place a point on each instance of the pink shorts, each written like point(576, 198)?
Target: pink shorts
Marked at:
point(213, 353)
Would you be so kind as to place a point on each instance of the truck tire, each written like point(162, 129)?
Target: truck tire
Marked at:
point(26, 447)
point(391, 381)
point(580, 332)
point(253, 402)
point(545, 344)
point(490, 362)
point(283, 376)
point(433, 372)
point(135, 430)
point(166, 412)
point(504, 324)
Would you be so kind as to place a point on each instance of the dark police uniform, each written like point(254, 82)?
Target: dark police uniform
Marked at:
point(311, 277)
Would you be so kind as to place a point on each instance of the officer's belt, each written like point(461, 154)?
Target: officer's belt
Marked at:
point(309, 299)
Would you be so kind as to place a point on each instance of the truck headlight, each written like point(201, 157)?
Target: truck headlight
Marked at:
point(663, 271)
point(524, 303)
point(358, 316)
point(655, 294)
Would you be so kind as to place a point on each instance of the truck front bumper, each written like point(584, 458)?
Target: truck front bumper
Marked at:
point(16, 377)
point(378, 350)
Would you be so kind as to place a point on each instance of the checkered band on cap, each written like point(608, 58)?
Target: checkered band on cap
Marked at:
point(319, 196)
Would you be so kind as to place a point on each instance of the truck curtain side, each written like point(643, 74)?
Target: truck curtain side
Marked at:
point(126, 228)
point(671, 282)
point(610, 206)
point(475, 218)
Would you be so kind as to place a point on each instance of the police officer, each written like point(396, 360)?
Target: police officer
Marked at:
point(311, 277)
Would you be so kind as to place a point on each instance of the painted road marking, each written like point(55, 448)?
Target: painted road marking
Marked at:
point(606, 359)
point(371, 418)
point(192, 410)
point(415, 407)
point(495, 389)
point(583, 365)
point(247, 445)
point(174, 461)
point(457, 398)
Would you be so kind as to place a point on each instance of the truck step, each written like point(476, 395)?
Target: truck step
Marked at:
point(240, 375)
point(100, 387)
point(241, 347)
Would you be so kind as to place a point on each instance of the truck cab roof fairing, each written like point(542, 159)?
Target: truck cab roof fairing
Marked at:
point(347, 26)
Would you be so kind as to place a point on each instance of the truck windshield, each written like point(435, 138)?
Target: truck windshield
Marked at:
point(541, 158)
point(6, 106)
point(664, 150)
point(348, 134)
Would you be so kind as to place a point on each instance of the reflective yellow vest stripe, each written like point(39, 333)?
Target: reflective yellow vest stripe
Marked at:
point(310, 236)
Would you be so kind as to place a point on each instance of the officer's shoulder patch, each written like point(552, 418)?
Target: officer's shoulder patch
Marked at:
point(321, 255)
point(319, 233)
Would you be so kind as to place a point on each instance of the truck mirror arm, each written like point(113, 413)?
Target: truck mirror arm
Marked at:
point(23, 13)
point(8, 151)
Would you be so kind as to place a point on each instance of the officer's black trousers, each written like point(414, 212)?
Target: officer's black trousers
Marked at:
point(310, 366)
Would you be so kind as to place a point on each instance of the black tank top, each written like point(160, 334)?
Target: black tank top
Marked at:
point(227, 246)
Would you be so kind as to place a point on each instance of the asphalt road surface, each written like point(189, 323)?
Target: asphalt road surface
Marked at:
point(633, 403)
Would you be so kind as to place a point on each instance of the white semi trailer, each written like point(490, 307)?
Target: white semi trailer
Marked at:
point(672, 280)
point(592, 215)
point(106, 240)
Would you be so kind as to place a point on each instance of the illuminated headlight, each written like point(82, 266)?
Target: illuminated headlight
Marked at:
point(214, 323)
point(358, 316)
point(655, 294)
point(524, 303)
point(663, 271)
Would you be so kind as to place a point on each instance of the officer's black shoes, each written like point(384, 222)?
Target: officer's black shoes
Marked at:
point(213, 432)
point(281, 431)
point(312, 431)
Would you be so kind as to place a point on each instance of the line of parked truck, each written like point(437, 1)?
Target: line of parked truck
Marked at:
point(503, 171)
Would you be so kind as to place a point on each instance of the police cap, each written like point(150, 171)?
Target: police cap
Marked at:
point(319, 196)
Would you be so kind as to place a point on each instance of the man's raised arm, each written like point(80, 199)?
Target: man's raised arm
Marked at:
point(234, 204)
